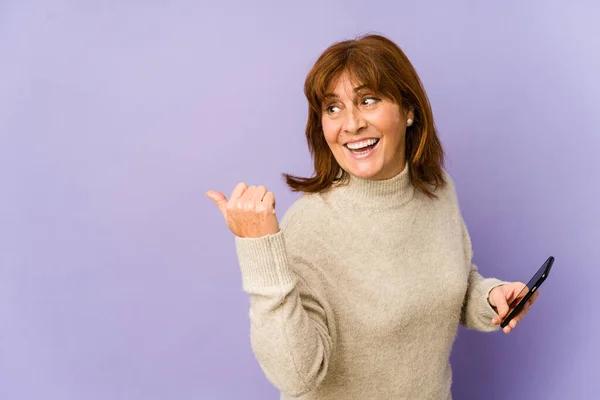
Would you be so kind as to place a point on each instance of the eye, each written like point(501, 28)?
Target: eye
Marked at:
point(331, 109)
point(369, 101)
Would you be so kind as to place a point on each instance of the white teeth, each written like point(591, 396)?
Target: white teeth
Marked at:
point(360, 145)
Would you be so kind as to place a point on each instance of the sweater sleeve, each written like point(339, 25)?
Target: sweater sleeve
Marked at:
point(289, 329)
point(477, 313)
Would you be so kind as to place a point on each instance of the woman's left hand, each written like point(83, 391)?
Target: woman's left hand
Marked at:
point(501, 296)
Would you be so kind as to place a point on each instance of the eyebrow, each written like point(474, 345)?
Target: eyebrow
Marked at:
point(356, 89)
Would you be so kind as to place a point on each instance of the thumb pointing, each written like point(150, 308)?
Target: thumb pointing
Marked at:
point(219, 199)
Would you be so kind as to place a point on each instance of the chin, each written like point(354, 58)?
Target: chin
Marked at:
point(367, 173)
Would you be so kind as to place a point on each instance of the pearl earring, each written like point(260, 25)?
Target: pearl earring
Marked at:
point(409, 122)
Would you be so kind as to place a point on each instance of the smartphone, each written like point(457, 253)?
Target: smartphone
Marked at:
point(528, 291)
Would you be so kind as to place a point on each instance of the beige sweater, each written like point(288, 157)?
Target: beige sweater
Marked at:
point(361, 293)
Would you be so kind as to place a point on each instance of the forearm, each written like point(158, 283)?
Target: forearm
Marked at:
point(288, 325)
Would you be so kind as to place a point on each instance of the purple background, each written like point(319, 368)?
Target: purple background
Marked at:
point(119, 279)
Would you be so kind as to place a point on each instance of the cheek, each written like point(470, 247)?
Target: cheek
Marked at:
point(391, 126)
point(390, 121)
point(330, 132)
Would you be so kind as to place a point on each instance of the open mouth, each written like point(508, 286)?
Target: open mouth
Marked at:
point(362, 148)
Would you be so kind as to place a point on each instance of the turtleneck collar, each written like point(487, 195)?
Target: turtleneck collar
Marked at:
point(370, 193)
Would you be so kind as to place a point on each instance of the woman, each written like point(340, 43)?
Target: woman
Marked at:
point(360, 293)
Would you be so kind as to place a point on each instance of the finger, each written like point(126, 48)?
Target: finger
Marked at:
point(534, 297)
point(269, 201)
point(528, 305)
point(496, 320)
point(517, 292)
point(219, 199)
point(501, 304)
point(259, 193)
point(238, 191)
point(517, 318)
point(524, 311)
point(246, 200)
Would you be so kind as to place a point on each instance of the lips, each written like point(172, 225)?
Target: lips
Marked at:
point(362, 140)
point(363, 152)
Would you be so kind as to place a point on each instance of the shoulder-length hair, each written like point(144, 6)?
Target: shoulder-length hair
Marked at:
point(379, 63)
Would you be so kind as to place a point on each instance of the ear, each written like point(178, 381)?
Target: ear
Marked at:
point(409, 116)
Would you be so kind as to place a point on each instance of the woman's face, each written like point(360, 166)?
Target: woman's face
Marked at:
point(365, 132)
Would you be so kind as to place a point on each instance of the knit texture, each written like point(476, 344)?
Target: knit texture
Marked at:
point(360, 294)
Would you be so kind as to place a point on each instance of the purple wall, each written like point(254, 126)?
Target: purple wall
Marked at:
point(118, 278)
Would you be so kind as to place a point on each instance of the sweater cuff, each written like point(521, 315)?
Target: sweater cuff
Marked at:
point(486, 308)
point(264, 264)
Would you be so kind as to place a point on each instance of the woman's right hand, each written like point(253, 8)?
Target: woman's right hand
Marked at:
point(249, 212)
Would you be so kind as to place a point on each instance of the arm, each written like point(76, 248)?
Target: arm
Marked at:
point(289, 329)
point(288, 324)
point(477, 313)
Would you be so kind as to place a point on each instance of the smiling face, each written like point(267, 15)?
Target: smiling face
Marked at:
point(365, 131)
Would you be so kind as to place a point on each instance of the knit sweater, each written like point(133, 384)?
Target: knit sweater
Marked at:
point(360, 294)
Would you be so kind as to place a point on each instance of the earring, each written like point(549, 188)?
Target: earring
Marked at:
point(409, 122)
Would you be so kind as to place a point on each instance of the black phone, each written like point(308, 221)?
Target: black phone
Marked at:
point(528, 291)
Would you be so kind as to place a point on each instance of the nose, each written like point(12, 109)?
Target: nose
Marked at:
point(354, 121)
